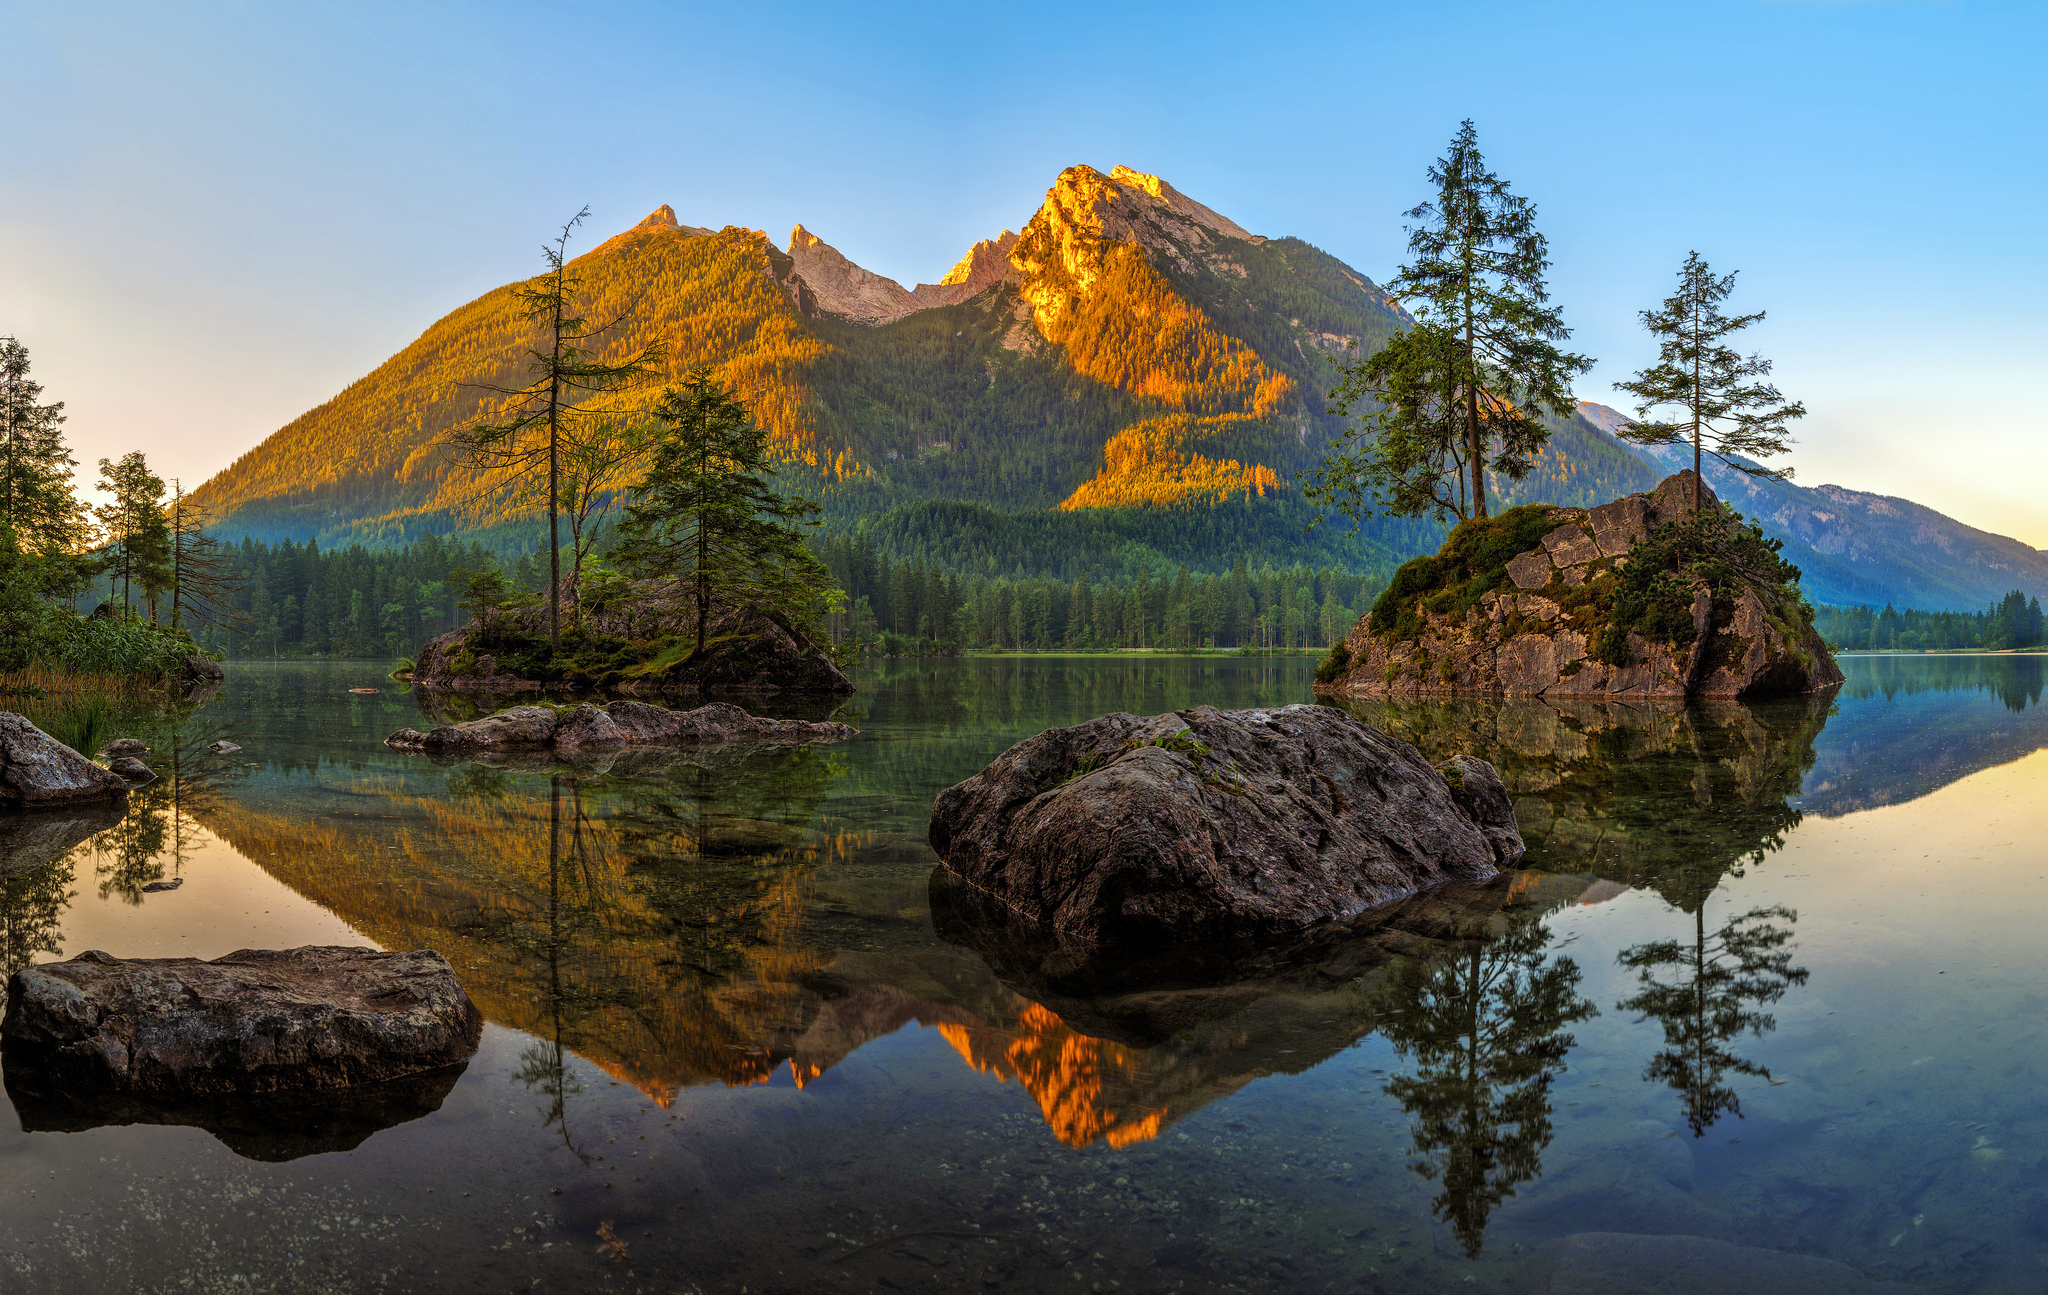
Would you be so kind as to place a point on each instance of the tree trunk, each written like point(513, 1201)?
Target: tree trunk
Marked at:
point(554, 523)
point(1472, 421)
point(1696, 415)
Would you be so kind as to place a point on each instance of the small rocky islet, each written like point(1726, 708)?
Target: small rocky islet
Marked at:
point(1644, 598)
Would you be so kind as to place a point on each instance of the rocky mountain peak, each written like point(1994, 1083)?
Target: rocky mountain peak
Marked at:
point(1180, 204)
point(662, 217)
point(840, 287)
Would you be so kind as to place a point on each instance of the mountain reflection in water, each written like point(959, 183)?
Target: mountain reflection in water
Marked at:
point(1497, 1065)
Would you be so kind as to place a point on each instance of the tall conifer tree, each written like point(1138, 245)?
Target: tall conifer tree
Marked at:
point(1729, 410)
point(1476, 271)
point(565, 376)
point(707, 512)
point(36, 502)
point(136, 533)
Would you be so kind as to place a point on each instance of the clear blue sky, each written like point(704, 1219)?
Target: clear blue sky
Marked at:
point(215, 216)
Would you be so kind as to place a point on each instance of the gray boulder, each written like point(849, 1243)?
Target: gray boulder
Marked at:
point(39, 772)
point(610, 728)
point(132, 771)
point(1208, 824)
point(124, 746)
point(203, 671)
point(255, 1021)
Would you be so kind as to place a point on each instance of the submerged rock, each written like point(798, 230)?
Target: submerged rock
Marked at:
point(621, 724)
point(1207, 824)
point(39, 772)
point(124, 746)
point(1621, 1263)
point(255, 1021)
point(1548, 625)
point(223, 747)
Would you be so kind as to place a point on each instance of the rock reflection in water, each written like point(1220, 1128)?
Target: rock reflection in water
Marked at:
point(1604, 787)
point(272, 1127)
point(126, 848)
point(1457, 978)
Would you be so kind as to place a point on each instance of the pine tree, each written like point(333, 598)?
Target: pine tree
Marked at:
point(1476, 276)
point(1728, 410)
point(525, 447)
point(1405, 455)
point(36, 502)
point(706, 512)
point(207, 582)
point(136, 533)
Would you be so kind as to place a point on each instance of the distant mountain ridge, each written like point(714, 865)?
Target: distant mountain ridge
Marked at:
point(1128, 350)
point(1853, 546)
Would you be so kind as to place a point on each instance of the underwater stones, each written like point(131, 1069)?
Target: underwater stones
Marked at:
point(1207, 824)
point(255, 1021)
point(1624, 1263)
point(39, 772)
point(622, 724)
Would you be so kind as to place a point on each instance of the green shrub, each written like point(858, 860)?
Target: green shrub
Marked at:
point(1334, 665)
point(85, 724)
point(1472, 563)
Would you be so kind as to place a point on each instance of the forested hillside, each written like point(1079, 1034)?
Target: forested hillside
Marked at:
point(1138, 384)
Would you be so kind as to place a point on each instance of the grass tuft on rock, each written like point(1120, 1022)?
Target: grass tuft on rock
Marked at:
point(1472, 563)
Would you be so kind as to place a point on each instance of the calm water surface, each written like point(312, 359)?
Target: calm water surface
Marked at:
point(1771, 985)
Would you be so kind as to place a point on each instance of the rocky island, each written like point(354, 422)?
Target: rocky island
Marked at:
point(631, 646)
point(621, 724)
point(1644, 597)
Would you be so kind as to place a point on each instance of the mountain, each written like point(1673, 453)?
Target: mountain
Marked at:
point(1130, 381)
point(1132, 373)
point(1852, 546)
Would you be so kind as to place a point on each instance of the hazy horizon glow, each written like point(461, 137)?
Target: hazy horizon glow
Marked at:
point(219, 216)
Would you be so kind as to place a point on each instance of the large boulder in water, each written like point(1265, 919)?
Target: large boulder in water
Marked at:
point(1207, 824)
point(39, 772)
point(255, 1021)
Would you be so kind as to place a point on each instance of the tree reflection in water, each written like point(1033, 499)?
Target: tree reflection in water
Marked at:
point(128, 845)
point(1702, 994)
point(543, 1064)
point(1484, 1030)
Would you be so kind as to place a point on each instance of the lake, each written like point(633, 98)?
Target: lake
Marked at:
point(1765, 1006)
